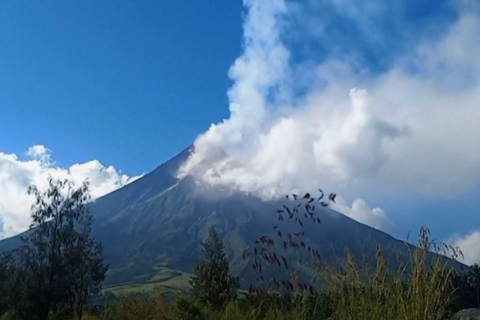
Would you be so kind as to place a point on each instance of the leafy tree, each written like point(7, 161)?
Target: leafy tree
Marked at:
point(59, 265)
point(213, 284)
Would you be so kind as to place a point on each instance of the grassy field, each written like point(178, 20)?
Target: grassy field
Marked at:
point(163, 280)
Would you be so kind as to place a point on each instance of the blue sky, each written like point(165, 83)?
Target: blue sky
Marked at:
point(131, 84)
point(124, 83)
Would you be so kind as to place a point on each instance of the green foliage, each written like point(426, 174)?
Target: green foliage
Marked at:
point(421, 288)
point(187, 309)
point(58, 266)
point(213, 285)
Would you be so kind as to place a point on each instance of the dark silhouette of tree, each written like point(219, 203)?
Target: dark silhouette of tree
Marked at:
point(473, 284)
point(5, 291)
point(213, 284)
point(59, 265)
point(468, 288)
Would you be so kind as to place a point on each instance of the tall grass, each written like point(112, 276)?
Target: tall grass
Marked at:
point(419, 288)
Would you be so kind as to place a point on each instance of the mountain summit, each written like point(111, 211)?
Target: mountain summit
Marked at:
point(152, 228)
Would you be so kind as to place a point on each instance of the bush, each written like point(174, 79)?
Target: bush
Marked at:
point(187, 309)
point(139, 307)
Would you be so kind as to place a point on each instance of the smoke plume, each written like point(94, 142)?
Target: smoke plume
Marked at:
point(412, 127)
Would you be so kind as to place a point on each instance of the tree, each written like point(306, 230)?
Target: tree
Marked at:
point(473, 283)
point(59, 265)
point(468, 288)
point(86, 268)
point(213, 284)
point(5, 292)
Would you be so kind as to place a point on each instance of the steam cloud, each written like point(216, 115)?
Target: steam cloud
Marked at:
point(411, 128)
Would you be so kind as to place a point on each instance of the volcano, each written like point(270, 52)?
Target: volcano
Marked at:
point(152, 229)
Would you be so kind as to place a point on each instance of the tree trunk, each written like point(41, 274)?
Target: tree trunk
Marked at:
point(80, 311)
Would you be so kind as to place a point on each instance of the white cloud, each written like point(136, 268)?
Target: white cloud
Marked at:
point(39, 152)
point(469, 245)
point(361, 212)
point(17, 175)
point(413, 128)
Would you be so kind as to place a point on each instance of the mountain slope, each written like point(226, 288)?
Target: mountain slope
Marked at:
point(156, 223)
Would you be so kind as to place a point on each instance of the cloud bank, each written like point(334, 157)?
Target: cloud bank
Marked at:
point(412, 127)
point(360, 211)
point(470, 246)
point(17, 175)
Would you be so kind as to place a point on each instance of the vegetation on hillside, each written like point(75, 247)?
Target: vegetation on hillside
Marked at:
point(59, 269)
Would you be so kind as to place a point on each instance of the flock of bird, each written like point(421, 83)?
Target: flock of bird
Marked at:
point(265, 253)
